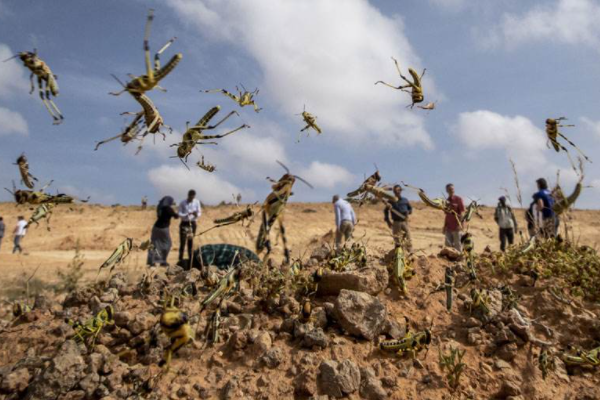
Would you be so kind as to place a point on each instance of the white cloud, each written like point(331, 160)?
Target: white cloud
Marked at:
point(449, 4)
point(176, 181)
point(328, 176)
point(593, 126)
point(518, 136)
point(252, 155)
point(317, 53)
point(12, 122)
point(12, 74)
point(568, 21)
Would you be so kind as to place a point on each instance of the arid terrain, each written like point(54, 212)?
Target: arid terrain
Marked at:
point(266, 350)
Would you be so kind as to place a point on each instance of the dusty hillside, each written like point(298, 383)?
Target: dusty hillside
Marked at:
point(99, 229)
point(266, 350)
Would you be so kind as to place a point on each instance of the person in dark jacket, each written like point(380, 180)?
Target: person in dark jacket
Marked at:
point(2, 229)
point(399, 212)
point(161, 236)
point(545, 216)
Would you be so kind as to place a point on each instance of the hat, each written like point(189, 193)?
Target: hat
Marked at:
point(502, 198)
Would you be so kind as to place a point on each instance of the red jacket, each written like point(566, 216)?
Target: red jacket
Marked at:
point(451, 223)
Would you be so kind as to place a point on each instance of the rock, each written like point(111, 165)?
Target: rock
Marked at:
point(42, 302)
point(338, 379)
point(359, 314)
point(301, 328)
point(173, 270)
point(96, 305)
point(315, 338)
point(372, 280)
point(305, 383)
point(142, 322)
point(123, 318)
point(508, 388)
point(473, 323)
point(117, 281)
point(504, 336)
point(495, 303)
point(261, 342)
point(239, 321)
point(320, 253)
point(272, 358)
point(90, 383)
point(319, 317)
point(66, 369)
point(507, 352)
point(450, 253)
point(79, 297)
point(501, 364)
point(473, 338)
point(289, 306)
point(370, 385)
point(110, 296)
point(393, 329)
point(238, 341)
point(16, 381)
point(229, 391)
point(62, 330)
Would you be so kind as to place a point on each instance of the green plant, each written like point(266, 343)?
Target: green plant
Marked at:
point(70, 276)
point(452, 364)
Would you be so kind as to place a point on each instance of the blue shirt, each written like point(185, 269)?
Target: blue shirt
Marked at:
point(548, 200)
point(402, 207)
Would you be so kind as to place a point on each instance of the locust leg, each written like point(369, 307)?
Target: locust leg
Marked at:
point(224, 134)
point(158, 53)
point(226, 93)
point(256, 108)
point(149, 70)
point(45, 101)
point(286, 251)
point(31, 81)
point(217, 124)
point(576, 148)
point(387, 84)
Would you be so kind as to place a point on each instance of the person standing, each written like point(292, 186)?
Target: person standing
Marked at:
point(19, 233)
point(452, 225)
point(161, 236)
point(544, 215)
point(144, 202)
point(345, 219)
point(2, 229)
point(189, 211)
point(399, 210)
point(505, 218)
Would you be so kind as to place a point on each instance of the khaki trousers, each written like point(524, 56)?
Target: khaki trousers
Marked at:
point(401, 233)
point(345, 231)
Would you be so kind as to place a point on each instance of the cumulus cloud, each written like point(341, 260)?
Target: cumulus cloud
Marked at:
point(593, 126)
point(176, 181)
point(327, 176)
point(324, 55)
point(83, 193)
point(518, 136)
point(12, 74)
point(568, 21)
point(12, 122)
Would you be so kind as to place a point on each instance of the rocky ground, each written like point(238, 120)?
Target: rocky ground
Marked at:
point(267, 350)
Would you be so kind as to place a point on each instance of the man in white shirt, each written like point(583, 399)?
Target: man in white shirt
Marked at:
point(19, 233)
point(345, 219)
point(189, 211)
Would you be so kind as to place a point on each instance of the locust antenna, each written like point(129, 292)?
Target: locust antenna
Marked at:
point(8, 59)
point(283, 165)
point(304, 181)
point(118, 80)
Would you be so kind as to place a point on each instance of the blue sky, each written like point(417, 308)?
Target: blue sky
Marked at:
point(498, 69)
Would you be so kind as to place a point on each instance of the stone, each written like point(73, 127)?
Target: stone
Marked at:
point(370, 386)
point(338, 379)
point(450, 253)
point(65, 370)
point(504, 336)
point(372, 280)
point(123, 319)
point(90, 383)
point(272, 357)
point(359, 314)
point(240, 321)
point(315, 338)
point(507, 352)
point(509, 388)
point(16, 381)
point(261, 342)
point(319, 317)
point(142, 322)
point(393, 329)
point(305, 383)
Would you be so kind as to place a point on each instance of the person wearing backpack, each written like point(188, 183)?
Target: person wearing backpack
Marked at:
point(544, 214)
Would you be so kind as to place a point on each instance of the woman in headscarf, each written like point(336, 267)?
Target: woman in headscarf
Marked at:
point(161, 237)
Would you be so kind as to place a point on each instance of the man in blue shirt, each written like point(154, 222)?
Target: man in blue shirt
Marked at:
point(399, 211)
point(545, 216)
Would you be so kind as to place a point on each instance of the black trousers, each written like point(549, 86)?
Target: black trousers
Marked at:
point(506, 234)
point(186, 237)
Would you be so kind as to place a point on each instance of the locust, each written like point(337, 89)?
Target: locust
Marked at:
point(472, 209)
point(546, 363)
point(272, 210)
point(40, 197)
point(175, 325)
point(438, 203)
point(372, 180)
point(429, 106)
point(130, 132)
point(243, 99)
point(144, 83)
point(480, 302)
point(240, 216)
point(225, 287)
point(411, 343)
point(194, 135)
point(578, 357)
point(43, 211)
point(26, 176)
point(310, 121)
point(46, 81)
point(553, 133)
point(117, 257)
point(208, 167)
point(564, 203)
point(212, 327)
point(416, 89)
point(400, 270)
point(469, 249)
point(93, 326)
point(449, 286)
